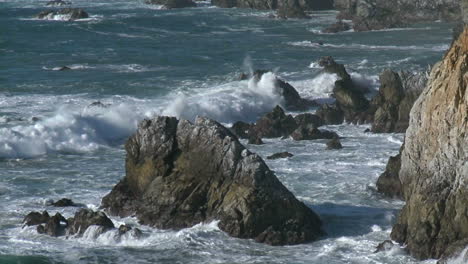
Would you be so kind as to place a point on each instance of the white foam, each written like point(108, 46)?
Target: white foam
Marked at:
point(462, 258)
point(307, 43)
point(319, 87)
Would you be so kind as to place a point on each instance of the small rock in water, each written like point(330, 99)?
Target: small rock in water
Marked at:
point(334, 143)
point(84, 218)
point(280, 155)
point(64, 68)
point(255, 140)
point(367, 130)
point(124, 229)
point(36, 218)
point(64, 202)
point(35, 119)
point(384, 246)
point(58, 3)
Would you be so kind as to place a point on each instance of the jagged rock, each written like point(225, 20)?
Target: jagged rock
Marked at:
point(304, 133)
point(241, 129)
point(69, 13)
point(274, 124)
point(397, 94)
point(58, 3)
point(255, 140)
point(308, 120)
point(380, 14)
point(53, 226)
point(36, 218)
point(280, 155)
point(84, 218)
point(290, 9)
point(135, 232)
point(170, 4)
point(337, 27)
point(389, 183)
point(434, 168)
point(179, 174)
point(330, 114)
point(387, 245)
point(64, 202)
point(334, 143)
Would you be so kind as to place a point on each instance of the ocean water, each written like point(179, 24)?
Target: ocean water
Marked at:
point(143, 61)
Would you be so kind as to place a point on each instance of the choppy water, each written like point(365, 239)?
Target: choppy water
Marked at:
point(145, 61)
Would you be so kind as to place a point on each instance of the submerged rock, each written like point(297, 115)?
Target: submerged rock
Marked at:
point(434, 168)
point(280, 155)
point(334, 143)
point(387, 245)
point(337, 27)
point(64, 202)
point(179, 174)
point(63, 14)
point(170, 4)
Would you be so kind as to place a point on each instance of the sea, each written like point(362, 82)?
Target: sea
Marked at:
point(141, 60)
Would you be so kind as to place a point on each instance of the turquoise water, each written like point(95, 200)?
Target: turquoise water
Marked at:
point(144, 61)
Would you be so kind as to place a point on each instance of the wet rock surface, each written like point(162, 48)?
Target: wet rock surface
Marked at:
point(181, 173)
point(170, 4)
point(280, 155)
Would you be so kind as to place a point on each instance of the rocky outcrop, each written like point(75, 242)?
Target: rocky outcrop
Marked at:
point(274, 124)
point(64, 202)
point(170, 4)
point(380, 14)
point(286, 8)
point(389, 182)
point(307, 133)
point(179, 174)
point(334, 143)
point(63, 14)
point(240, 129)
point(393, 103)
point(292, 99)
point(434, 161)
point(280, 155)
point(337, 27)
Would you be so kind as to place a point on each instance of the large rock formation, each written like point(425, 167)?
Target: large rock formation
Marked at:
point(397, 94)
point(180, 173)
point(380, 14)
point(434, 161)
point(286, 8)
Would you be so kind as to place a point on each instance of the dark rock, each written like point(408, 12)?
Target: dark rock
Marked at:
point(224, 3)
point(308, 120)
point(387, 245)
point(40, 229)
point(124, 229)
point(63, 68)
point(240, 129)
point(170, 4)
point(64, 202)
point(379, 14)
point(280, 155)
point(334, 143)
point(36, 218)
point(455, 253)
point(35, 119)
point(304, 133)
point(337, 27)
point(58, 3)
point(255, 140)
point(85, 218)
point(179, 174)
point(367, 130)
point(389, 183)
point(98, 104)
point(434, 170)
point(290, 9)
point(330, 114)
point(53, 227)
point(71, 13)
point(274, 124)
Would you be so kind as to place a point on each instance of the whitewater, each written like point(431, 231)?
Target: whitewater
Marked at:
point(139, 61)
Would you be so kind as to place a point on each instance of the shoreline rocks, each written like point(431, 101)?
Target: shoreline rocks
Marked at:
point(179, 174)
point(434, 170)
point(69, 14)
point(171, 4)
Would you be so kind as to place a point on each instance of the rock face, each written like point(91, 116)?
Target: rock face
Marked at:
point(179, 174)
point(290, 9)
point(389, 182)
point(397, 94)
point(434, 161)
point(380, 14)
point(170, 4)
point(67, 13)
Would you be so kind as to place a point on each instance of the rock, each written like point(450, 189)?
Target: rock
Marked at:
point(389, 183)
point(330, 114)
point(179, 174)
point(280, 155)
point(84, 218)
point(240, 129)
point(255, 140)
point(339, 26)
point(434, 168)
point(304, 5)
point(290, 9)
point(367, 130)
point(64, 202)
point(68, 14)
point(58, 3)
point(98, 104)
point(334, 143)
point(224, 3)
point(35, 119)
point(397, 94)
point(53, 227)
point(170, 4)
point(36, 218)
point(304, 133)
point(456, 253)
point(387, 245)
point(379, 14)
point(274, 124)
point(308, 120)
